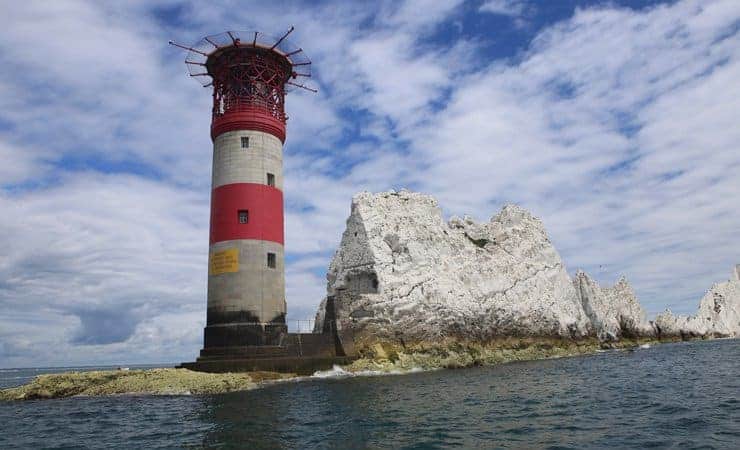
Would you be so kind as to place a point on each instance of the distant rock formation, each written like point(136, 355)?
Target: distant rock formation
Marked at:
point(402, 273)
point(614, 312)
point(718, 314)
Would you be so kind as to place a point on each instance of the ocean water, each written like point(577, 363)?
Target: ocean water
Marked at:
point(684, 395)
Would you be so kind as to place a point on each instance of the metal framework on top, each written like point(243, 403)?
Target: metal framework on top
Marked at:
point(250, 73)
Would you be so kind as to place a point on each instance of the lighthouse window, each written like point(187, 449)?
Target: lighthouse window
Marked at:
point(245, 142)
point(271, 179)
point(271, 260)
point(243, 216)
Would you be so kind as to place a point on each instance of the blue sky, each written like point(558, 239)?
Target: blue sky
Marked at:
point(614, 122)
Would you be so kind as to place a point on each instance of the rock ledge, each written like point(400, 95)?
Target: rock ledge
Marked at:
point(154, 381)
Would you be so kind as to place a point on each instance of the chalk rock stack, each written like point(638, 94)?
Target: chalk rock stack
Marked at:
point(718, 314)
point(402, 273)
point(614, 311)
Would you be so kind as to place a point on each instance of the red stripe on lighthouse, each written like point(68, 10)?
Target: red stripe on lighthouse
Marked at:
point(255, 119)
point(264, 204)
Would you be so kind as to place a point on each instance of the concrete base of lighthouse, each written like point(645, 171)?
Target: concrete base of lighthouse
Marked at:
point(272, 359)
point(274, 349)
point(300, 353)
point(244, 334)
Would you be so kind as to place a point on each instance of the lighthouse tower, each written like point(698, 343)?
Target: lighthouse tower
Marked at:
point(249, 73)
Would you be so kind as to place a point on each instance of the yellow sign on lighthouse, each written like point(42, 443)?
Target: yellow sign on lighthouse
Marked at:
point(223, 261)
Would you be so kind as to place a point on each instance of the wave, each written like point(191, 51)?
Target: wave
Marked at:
point(339, 372)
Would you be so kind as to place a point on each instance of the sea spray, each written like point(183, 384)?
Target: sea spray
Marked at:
point(339, 372)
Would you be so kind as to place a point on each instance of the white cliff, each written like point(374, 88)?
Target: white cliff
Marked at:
point(718, 314)
point(401, 273)
point(614, 311)
point(669, 325)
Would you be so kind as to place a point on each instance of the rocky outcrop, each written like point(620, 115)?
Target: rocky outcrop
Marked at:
point(614, 312)
point(402, 274)
point(718, 314)
point(410, 287)
point(669, 325)
point(153, 382)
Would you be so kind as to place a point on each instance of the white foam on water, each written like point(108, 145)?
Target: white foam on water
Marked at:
point(338, 372)
point(610, 350)
point(645, 346)
point(334, 372)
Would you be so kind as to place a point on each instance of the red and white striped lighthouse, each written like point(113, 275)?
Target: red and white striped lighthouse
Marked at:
point(249, 73)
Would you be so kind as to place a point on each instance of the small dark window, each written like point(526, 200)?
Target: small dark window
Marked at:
point(243, 216)
point(271, 260)
point(245, 142)
point(271, 179)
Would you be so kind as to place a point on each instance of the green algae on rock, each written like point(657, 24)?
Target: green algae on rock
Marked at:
point(154, 381)
point(452, 353)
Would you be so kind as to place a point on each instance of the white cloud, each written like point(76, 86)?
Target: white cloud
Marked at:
point(21, 164)
point(512, 8)
point(416, 15)
point(96, 256)
point(550, 132)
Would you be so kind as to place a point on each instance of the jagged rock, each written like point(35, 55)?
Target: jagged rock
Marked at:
point(669, 325)
point(718, 314)
point(614, 311)
point(401, 273)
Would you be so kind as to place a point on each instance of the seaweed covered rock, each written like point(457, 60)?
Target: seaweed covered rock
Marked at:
point(153, 381)
point(402, 274)
point(614, 312)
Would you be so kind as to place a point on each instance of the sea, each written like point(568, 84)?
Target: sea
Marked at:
point(682, 395)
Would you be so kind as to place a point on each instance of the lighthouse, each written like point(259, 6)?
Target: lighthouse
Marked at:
point(249, 74)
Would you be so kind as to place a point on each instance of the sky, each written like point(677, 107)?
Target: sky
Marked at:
point(616, 123)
